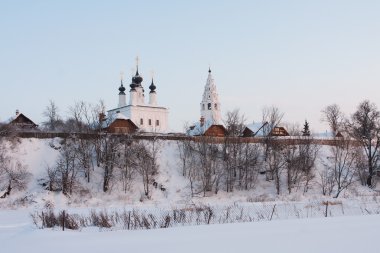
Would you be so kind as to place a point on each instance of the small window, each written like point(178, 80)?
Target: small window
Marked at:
point(157, 122)
point(141, 122)
point(216, 106)
point(150, 122)
point(209, 106)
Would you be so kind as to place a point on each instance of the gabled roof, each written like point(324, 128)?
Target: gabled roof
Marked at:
point(216, 131)
point(22, 120)
point(198, 129)
point(254, 129)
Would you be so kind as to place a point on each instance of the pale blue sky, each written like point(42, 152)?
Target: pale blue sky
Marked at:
point(297, 55)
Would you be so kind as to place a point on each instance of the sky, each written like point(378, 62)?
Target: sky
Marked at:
point(299, 56)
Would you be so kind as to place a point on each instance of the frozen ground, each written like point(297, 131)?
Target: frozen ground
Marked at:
point(285, 233)
point(339, 234)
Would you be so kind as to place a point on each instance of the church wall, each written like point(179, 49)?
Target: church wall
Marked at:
point(146, 113)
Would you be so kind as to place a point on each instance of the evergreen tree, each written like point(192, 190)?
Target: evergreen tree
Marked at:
point(306, 130)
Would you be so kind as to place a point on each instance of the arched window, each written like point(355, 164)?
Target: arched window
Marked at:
point(216, 106)
point(209, 106)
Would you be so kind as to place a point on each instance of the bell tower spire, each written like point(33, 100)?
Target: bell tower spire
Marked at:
point(210, 105)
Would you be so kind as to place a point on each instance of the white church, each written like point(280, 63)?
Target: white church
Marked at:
point(148, 116)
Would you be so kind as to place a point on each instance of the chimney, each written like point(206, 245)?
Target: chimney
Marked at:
point(101, 116)
point(17, 112)
point(202, 120)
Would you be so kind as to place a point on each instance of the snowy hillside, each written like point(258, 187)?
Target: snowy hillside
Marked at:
point(259, 215)
point(39, 154)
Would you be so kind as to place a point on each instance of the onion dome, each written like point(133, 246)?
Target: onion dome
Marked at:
point(121, 88)
point(137, 79)
point(209, 70)
point(133, 85)
point(152, 87)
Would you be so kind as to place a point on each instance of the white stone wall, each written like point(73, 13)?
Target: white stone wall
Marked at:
point(146, 113)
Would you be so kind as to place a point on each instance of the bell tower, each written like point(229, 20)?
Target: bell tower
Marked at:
point(210, 106)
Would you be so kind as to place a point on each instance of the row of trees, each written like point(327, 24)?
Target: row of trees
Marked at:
point(236, 163)
point(233, 165)
point(120, 159)
point(82, 117)
point(364, 128)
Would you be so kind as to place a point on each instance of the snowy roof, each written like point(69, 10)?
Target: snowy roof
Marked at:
point(108, 121)
point(256, 128)
point(21, 119)
point(120, 116)
point(198, 129)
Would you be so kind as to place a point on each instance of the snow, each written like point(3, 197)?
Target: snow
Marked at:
point(338, 234)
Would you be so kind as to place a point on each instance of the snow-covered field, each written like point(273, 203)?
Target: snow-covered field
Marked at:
point(297, 225)
point(338, 234)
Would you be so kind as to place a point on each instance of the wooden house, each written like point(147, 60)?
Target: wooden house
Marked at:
point(257, 130)
point(216, 131)
point(20, 121)
point(279, 131)
point(122, 126)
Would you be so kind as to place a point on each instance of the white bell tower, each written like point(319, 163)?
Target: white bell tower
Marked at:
point(210, 106)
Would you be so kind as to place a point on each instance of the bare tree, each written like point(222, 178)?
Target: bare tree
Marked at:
point(271, 117)
point(334, 117)
point(185, 154)
point(364, 126)
point(235, 123)
point(53, 121)
point(79, 117)
point(108, 149)
point(232, 149)
point(127, 161)
point(250, 161)
point(275, 163)
point(67, 167)
point(13, 175)
point(147, 154)
point(341, 166)
point(327, 181)
point(300, 162)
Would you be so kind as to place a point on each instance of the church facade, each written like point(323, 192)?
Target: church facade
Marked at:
point(148, 116)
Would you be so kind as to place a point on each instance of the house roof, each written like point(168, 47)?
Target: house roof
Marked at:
point(257, 129)
point(198, 129)
point(21, 119)
point(119, 116)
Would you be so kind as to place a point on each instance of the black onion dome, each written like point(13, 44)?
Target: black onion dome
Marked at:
point(137, 79)
point(152, 87)
point(209, 70)
point(133, 85)
point(121, 88)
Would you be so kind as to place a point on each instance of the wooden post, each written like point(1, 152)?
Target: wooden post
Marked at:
point(129, 219)
point(63, 220)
